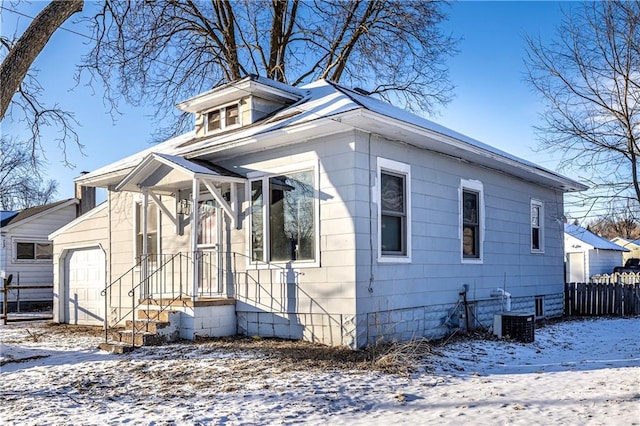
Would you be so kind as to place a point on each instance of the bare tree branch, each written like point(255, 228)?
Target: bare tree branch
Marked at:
point(589, 77)
point(20, 184)
point(159, 53)
point(17, 63)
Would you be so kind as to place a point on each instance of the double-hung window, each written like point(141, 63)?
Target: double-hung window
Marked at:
point(284, 217)
point(34, 251)
point(207, 223)
point(223, 118)
point(472, 219)
point(537, 226)
point(394, 211)
point(152, 230)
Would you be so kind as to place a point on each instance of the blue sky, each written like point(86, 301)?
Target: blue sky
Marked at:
point(492, 101)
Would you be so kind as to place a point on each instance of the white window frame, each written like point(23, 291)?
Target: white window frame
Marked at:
point(263, 176)
point(477, 187)
point(397, 168)
point(540, 205)
point(34, 241)
point(138, 201)
point(223, 118)
point(202, 200)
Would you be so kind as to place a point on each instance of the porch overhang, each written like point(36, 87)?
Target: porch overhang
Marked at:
point(164, 174)
point(167, 174)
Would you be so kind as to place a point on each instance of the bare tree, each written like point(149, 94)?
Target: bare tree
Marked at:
point(20, 91)
point(622, 221)
point(589, 77)
point(21, 55)
point(163, 52)
point(20, 184)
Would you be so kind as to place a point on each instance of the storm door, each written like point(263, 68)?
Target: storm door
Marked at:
point(209, 228)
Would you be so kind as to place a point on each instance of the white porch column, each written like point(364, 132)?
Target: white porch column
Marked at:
point(219, 257)
point(195, 192)
point(145, 245)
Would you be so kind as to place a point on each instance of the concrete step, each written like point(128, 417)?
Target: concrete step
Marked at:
point(156, 315)
point(116, 347)
point(141, 339)
point(147, 325)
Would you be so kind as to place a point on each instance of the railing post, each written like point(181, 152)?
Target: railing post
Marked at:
point(106, 316)
point(5, 297)
point(133, 317)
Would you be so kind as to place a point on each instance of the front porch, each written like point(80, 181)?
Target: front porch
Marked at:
point(182, 212)
point(159, 299)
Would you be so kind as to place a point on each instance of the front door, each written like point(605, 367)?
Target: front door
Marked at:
point(209, 220)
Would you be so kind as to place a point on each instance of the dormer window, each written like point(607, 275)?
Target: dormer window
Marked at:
point(231, 115)
point(223, 118)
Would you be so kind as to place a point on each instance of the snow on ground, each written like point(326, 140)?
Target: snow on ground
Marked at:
point(584, 372)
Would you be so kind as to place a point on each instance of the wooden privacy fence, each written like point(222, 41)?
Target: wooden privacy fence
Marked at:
point(604, 295)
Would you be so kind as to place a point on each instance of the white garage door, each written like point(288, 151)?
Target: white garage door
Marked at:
point(84, 280)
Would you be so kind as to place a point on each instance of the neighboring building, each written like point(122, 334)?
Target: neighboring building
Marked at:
point(588, 254)
point(315, 213)
point(632, 245)
point(27, 253)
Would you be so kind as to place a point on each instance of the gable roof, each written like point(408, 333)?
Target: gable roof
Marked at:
point(590, 238)
point(97, 209)
point(325, 108)
point(250, 85)
point(5, 216)
point(157, 167)
point(624, 242)
point(34, 212)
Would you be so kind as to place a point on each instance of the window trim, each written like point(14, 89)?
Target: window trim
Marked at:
point(222, 110)
point(540, 205)
point(264, 176)
point(14, 244)
point(397, 168)
point(476, 186)
point(138, 201)
point(201, 201)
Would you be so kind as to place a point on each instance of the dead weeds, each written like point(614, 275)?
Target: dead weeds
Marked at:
point(393, 358)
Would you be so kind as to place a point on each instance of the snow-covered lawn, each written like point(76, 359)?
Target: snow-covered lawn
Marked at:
point(576, 372)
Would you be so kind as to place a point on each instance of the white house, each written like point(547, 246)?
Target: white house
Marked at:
point(633, 247)
point(588, 254)
point(27, 253)
point(318, 213)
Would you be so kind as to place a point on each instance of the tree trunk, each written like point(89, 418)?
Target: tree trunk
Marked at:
point(17, 63)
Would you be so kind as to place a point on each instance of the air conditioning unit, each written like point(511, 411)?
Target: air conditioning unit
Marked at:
point(518, 326)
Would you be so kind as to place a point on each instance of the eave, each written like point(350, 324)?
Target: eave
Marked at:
point(434, 141)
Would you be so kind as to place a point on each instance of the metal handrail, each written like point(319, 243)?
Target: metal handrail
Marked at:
point(155, 282)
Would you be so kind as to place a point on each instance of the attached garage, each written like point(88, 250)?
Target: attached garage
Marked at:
point(84, 279)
